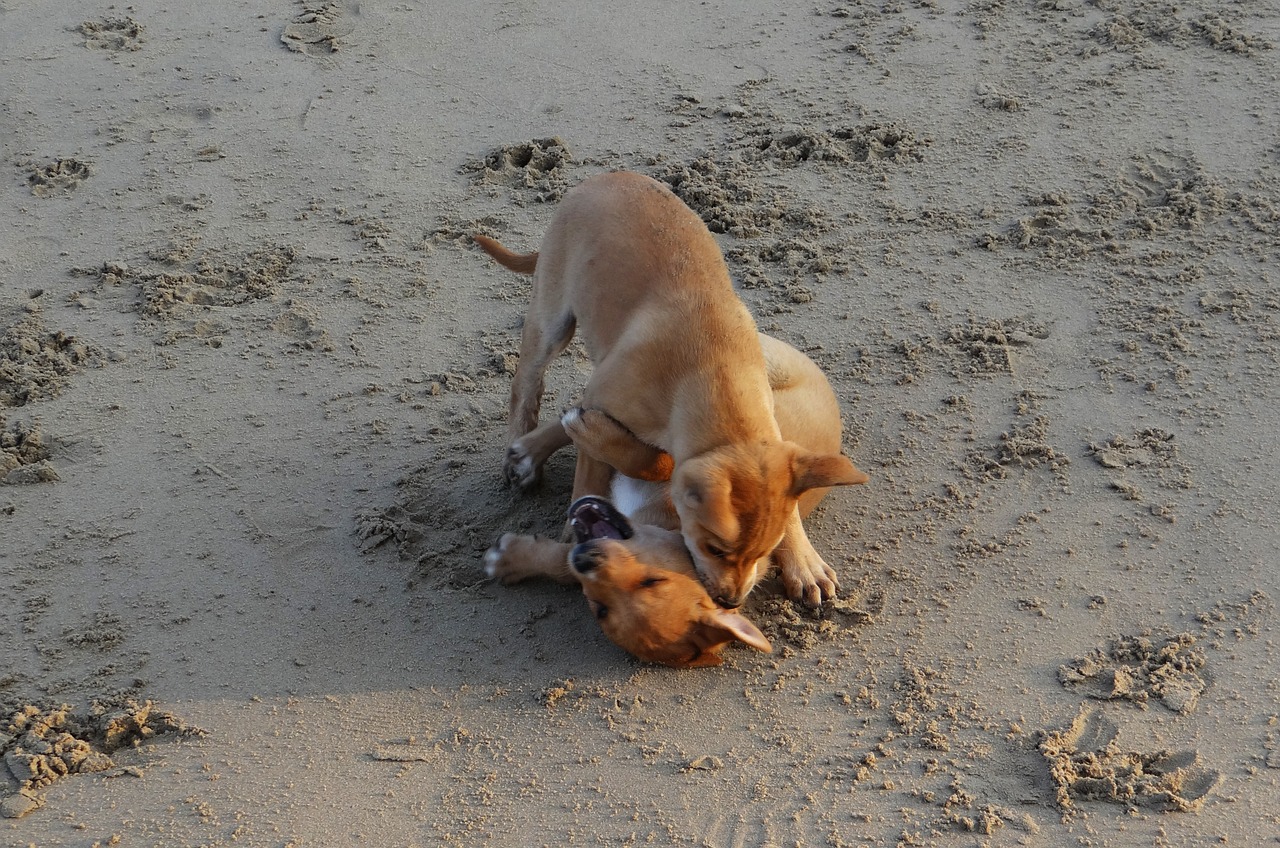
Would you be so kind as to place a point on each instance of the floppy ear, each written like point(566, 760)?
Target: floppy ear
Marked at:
point(717, 628)
point(818, 471)
point(737, 626)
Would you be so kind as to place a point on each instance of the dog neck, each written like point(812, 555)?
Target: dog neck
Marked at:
point(711, 412)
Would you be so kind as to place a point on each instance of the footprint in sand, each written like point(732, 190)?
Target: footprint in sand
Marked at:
point(112, 34)
point(60, 177)
point(1086, 763)
point(317, 30)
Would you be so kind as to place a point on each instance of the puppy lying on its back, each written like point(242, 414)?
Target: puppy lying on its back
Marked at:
point(638, 276)
point(630, 560)
point(638, 579)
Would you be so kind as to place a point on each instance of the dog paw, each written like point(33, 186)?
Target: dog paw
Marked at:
point(496, 564)
point(519, 469)
point(583, 427)
point(591, 428)
point(808, 580)
point(599, 435)
point(515, 558)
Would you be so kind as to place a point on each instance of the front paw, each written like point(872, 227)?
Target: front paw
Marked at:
point(808, 579)
point(515, 558)
point(498, 562)
point(577, 423)
point(519, 469)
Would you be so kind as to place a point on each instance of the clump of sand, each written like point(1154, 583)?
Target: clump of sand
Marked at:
point(35, 362)
point(785, 621)
point(986, 346)
point(24, 453)
point(39, 746)
point(318, 29)
point(210, 280)
point(113, 34)
point(1139, 669)
point(186, 293)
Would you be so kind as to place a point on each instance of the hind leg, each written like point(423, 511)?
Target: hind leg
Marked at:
point(540, 342)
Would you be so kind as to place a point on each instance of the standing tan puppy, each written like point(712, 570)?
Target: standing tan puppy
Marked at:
point(677, 361)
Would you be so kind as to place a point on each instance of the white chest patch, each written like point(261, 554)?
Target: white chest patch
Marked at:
point(629, 494)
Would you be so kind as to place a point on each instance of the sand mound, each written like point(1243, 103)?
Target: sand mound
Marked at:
point(1139, 669)
point(35, 363)
point(39, 746)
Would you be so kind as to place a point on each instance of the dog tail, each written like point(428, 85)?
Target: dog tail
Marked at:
point(521, 263)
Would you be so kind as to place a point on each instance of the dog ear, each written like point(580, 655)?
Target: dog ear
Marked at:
point(818, 471)
point(707, 494)
point(737, 626)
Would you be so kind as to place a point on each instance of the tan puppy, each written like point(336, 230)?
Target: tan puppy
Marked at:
point(633, 567)
point(677, 363)
point(637, 577)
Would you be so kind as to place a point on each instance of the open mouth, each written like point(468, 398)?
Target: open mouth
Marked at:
point(595, 518)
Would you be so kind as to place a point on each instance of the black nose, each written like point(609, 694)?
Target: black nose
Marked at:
point(727, 602)
point(585, 557)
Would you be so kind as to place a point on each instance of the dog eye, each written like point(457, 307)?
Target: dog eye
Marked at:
point(718, 553)
point(649, 582)
point(601, 612)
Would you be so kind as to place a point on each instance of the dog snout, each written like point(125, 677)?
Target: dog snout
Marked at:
point(724, 593)
point(585, 557)
point(728, 601)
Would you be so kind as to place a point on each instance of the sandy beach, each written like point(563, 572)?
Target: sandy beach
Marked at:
point(253, 390)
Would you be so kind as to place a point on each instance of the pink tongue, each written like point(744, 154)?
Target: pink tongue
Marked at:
point(601, 529)
point(593, 524)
